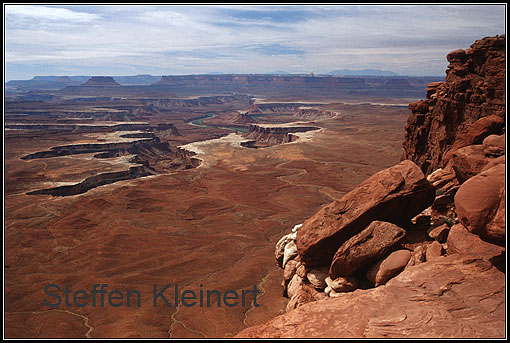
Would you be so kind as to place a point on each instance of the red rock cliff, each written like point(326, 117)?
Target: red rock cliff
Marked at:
point(380, 262)
point(463, 110)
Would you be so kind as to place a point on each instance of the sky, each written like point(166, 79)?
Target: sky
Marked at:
point(118, 40)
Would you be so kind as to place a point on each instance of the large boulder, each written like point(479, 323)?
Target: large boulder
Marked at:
point(494, 162)
point(461, 241)
point(388, 267)
point(480, 203)
point(475, 133)
point(494, 145)
point(394, 195)
point(469, 161)
point(454, 296)
point(365, 248)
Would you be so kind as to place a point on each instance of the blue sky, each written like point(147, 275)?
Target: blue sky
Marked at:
point(161, 40)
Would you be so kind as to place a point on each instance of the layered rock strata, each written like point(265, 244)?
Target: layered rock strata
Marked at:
point(260, 136)
point(101, 81)
point(461, 111)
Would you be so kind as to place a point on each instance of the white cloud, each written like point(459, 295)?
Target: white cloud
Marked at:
point(211, 38)
point(46, 13)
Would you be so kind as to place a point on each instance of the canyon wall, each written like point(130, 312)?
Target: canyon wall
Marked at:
point(293, 85)
point(196, 102)
point(461, 111)
point(263, 136)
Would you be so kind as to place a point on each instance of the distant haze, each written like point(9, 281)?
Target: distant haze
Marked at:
point(210, 39)
point(372, 72)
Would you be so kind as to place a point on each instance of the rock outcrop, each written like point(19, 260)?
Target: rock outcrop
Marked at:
point(101, 81)
point(307, 113)
point(95, 181)
point(462, 111)
point(261, 136)
point(393, 195)
point(461, 241)
point(457, 296)
point(440, 272)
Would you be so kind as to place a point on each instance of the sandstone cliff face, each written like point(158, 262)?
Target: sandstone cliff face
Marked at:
point(461, 111)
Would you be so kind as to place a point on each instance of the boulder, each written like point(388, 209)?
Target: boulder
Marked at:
point(289, 252)
point(434, 250)
point(393, 195)
point(461, 241)
point(418, 255)
point(440, 177)
point(342, 284)
point(280, 248)
point(301, 271)
point(304, 294)
point(494, 145)
point(388, 267)
point(439, 233)
point(364, 248)
point(480, 203)
point(289, 270)
point(494, 162)
point(295, 284)
point(317, 277)
point(469, 161)
point(475, 133)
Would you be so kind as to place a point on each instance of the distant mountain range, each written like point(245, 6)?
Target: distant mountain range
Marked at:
point(279, 72)
point(60, 82)
point(363, 72)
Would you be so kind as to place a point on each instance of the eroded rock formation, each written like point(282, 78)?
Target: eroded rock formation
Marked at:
point(463, 110)
point(261, 136)
point(101, 81)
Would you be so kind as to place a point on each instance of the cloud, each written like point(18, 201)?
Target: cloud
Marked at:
point(48, 14)
point(199, 39)
point(273, 49)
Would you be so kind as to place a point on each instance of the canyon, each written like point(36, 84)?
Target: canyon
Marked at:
point(193, 180)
